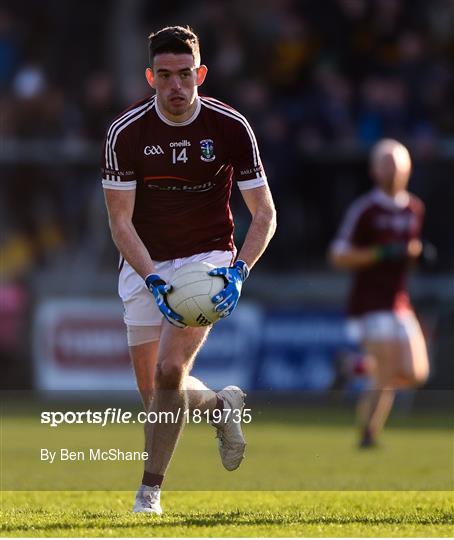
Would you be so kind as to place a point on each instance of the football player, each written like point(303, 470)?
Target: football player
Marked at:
point(378, 241)
point(169, 162)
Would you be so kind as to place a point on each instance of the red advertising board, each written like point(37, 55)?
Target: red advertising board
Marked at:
point(80, 344)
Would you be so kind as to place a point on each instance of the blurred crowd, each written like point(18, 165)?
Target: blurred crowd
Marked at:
point(336, 71)
point(319, 80)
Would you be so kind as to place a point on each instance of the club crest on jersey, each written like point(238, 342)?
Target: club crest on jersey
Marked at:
point(207, 150)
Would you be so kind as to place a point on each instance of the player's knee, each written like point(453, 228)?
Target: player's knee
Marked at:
point(169, 374)
point(416, 377)
point(421, 376)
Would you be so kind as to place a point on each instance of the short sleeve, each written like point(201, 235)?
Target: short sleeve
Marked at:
point(351, 229)
point(247, 165)
point(117, 165)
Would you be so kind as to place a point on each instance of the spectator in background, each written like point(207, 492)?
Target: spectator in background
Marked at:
point(9, 48)
point(333, 105)
point(98, 104)
point(382, 109)
point(34, 194)
point(336, 75)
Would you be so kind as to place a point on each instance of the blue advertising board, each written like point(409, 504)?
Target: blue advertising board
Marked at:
point(274, 350)
point(81, 343)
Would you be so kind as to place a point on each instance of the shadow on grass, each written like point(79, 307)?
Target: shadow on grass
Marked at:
point(99, 520)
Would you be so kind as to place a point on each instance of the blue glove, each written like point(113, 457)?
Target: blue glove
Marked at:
point(227, 299)
point(159, 289)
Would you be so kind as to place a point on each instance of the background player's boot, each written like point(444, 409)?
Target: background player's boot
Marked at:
point(368, 440)
point(230, 437)
point(148, 500)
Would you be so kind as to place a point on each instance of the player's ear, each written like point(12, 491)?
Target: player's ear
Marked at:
point(201, 74)
point(150, 77)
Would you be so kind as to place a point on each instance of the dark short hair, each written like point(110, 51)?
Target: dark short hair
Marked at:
point(174, 39)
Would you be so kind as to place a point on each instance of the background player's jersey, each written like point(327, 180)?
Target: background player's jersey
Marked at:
point(373, 220)
point(182, 173)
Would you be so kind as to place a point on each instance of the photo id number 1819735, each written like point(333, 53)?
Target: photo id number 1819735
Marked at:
point(196, 416)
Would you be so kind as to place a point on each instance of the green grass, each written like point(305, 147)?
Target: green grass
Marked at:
point(288, 450)
point(223, 514)
point(303, 476)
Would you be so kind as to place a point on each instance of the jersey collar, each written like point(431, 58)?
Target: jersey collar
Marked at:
point(399, 201)
point(195, 114)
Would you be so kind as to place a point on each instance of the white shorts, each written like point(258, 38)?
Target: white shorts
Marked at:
point(383, 326)
point(140, 308)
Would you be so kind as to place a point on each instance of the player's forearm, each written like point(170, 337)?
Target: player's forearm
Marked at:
point(132, 248)
point(352, 258)
point(261, 230)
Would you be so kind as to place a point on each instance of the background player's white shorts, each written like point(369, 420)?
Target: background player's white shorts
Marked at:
point(384, 326)
point(140, 308)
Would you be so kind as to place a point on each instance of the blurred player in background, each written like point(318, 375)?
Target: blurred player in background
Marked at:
point(168, 165)
point(378, 240)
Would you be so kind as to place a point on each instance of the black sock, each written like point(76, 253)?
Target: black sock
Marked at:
point(152, 480)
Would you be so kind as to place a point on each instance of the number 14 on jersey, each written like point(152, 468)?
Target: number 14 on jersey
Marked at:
point(179, 155)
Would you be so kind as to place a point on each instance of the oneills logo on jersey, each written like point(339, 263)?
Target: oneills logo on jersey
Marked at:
point(207, 150)
point(180, 144)
point(153, 150)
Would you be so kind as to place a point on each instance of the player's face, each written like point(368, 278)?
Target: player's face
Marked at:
point(175, 79)
point(391, 171)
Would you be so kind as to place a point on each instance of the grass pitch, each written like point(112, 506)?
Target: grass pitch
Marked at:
point(303, 476)
point(231, 514)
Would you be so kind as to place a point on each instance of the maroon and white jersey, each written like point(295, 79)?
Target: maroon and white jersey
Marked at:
point(182, 174)
point(376, 219)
